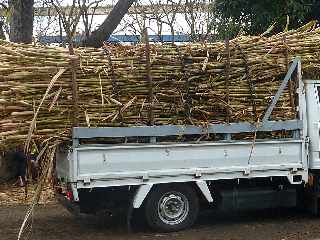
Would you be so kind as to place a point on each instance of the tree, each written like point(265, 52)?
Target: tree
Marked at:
point(170, 10)
point(315, 11)
point(135, 22)
point(2, 36)
point(254, 16)
point(87, 19)
point(200, 19)
point(69, 20)
point(4, 13)
point(157, 16)
point(104, 31)
point(21, 20)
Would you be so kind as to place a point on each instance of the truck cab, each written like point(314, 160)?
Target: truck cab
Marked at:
point(312, 88)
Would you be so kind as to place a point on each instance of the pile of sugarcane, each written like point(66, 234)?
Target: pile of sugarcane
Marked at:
point(148, 84)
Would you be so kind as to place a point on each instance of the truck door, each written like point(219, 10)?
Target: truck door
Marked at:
point(313, 119)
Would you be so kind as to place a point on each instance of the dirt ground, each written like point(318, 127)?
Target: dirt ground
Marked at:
point(54, 222)
point(11, 195)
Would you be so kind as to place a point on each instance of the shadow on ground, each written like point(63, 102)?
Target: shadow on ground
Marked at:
point(54, 222)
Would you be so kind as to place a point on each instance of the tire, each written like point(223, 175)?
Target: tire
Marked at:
point(171, 207)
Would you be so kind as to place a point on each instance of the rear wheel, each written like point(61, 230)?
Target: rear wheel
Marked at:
point(171, 207)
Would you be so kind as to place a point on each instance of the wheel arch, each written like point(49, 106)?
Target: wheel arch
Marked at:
point(143, 190)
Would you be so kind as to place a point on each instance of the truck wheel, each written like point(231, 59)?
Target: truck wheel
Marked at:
point(171, 207)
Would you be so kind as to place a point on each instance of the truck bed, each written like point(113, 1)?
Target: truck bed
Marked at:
point(135, 164)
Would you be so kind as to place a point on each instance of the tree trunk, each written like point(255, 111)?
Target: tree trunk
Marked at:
point(2, 36)
point(103, 33)
point(21, 21)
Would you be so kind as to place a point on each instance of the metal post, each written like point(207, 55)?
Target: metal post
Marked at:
point(75, 96)
point(227, 72)
point(290, 86)
point(150, 82)
point(149, 77)
point(296, 62)
point(115, 87)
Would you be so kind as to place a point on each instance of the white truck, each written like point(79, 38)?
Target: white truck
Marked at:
point(171, 181)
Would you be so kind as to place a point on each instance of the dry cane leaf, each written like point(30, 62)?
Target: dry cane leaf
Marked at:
point(115, 101)
point(33, 122)
point(87, 118)
point(128, 104)
point(55, 99)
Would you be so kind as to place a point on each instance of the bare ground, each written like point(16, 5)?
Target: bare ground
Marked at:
point(54, 222)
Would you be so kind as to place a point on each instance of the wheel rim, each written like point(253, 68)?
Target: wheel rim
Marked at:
point(173, 208)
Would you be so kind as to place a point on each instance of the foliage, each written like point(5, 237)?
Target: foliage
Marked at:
point(4, 18)
point(255, 16)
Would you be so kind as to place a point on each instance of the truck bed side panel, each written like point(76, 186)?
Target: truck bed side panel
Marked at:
point(159, 161)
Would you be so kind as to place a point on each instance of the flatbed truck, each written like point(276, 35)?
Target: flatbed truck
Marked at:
point(170, 181)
